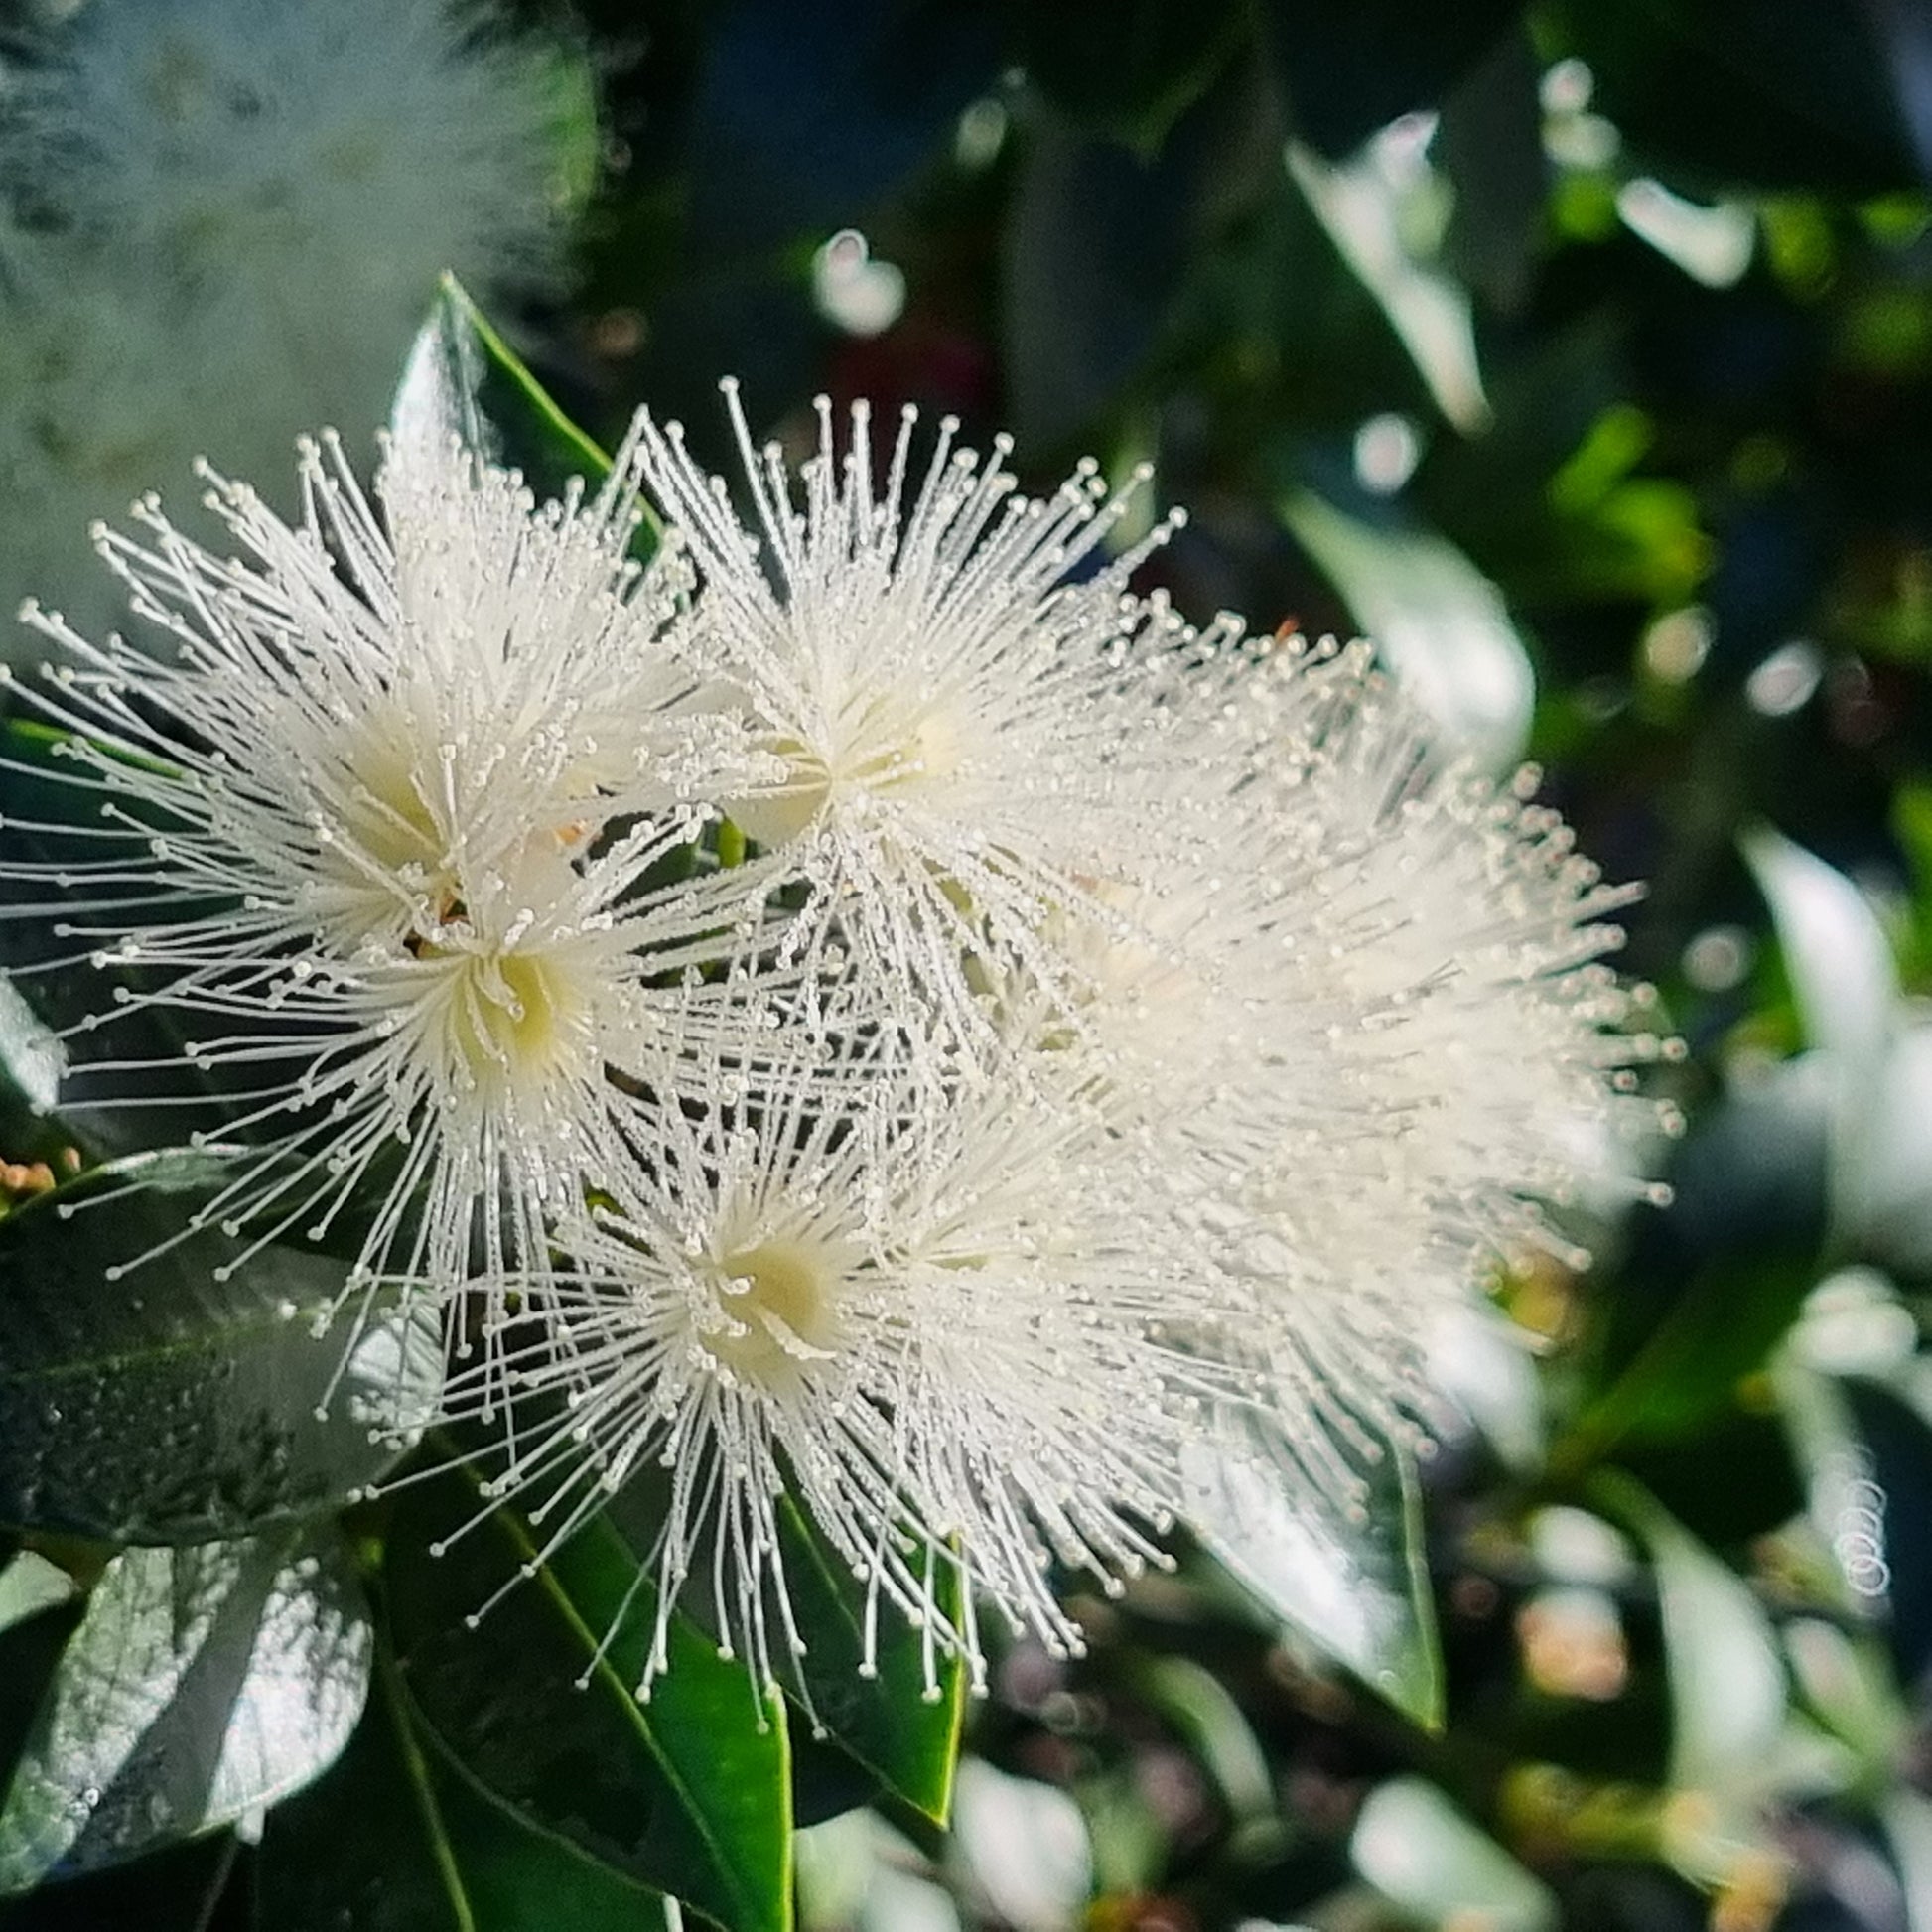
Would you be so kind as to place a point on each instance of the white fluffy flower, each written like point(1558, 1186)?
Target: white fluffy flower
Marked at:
point(374, 834)
point(968, 717)
point(1468, 929)
point(944, 1332)
point(230, 217)
point(1283, 1029)
point(1129, 1043)
point(88, 416)
point(1368, 1047)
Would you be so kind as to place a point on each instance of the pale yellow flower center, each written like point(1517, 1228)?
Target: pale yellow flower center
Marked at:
point(386, 816)
point(778, 1299)
point(512, 1017)
point(874, 752)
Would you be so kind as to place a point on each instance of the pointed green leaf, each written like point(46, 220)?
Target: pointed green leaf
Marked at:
point(400, 1837)
point(902, 1724)
point(201, 1685)
point(1728, 1686)
point(1834, 950)
point(463, 379)
point(1437, 622)
point(1357, 1590)
point(689, 1793)
point(164, 1404)
point(1440, 1868)
point(1364, 203)
point(30, 1584)
point(1842, 975)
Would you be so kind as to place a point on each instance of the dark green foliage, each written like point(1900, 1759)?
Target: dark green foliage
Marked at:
point(167, 1404)
point(539, 1705)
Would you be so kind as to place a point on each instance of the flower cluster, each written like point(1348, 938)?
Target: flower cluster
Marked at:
point(221, 219)
point(866, 1016)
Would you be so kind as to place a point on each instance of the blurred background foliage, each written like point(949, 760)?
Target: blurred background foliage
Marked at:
point(1583, 356)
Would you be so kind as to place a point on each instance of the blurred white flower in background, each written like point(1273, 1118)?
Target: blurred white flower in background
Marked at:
point(223, 221)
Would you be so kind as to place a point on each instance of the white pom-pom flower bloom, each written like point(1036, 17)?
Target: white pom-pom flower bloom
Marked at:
point(1128, 1041)
point(374, 836)
point(1238, 956)
point(1462, 922)
point(1366, 1048)
point(232, 217)
point(969, 716)
point(946, 1334)
point(235, 139)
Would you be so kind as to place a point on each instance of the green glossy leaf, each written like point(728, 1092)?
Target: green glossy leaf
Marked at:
point(1732, 1313)
point(1834, 950)
point(463, 379)
point(689, 1793)
point(399, 1837)
point(1727, 1688)
point(1366, 205)
point(1840, 964)
point(1438, 1867)
point(29, 1585)
point(904, 1731)
point(200, 1684)
point(1359, 1590)
point(1439, 623)
point(1715, 1278)
point(163, 1404)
